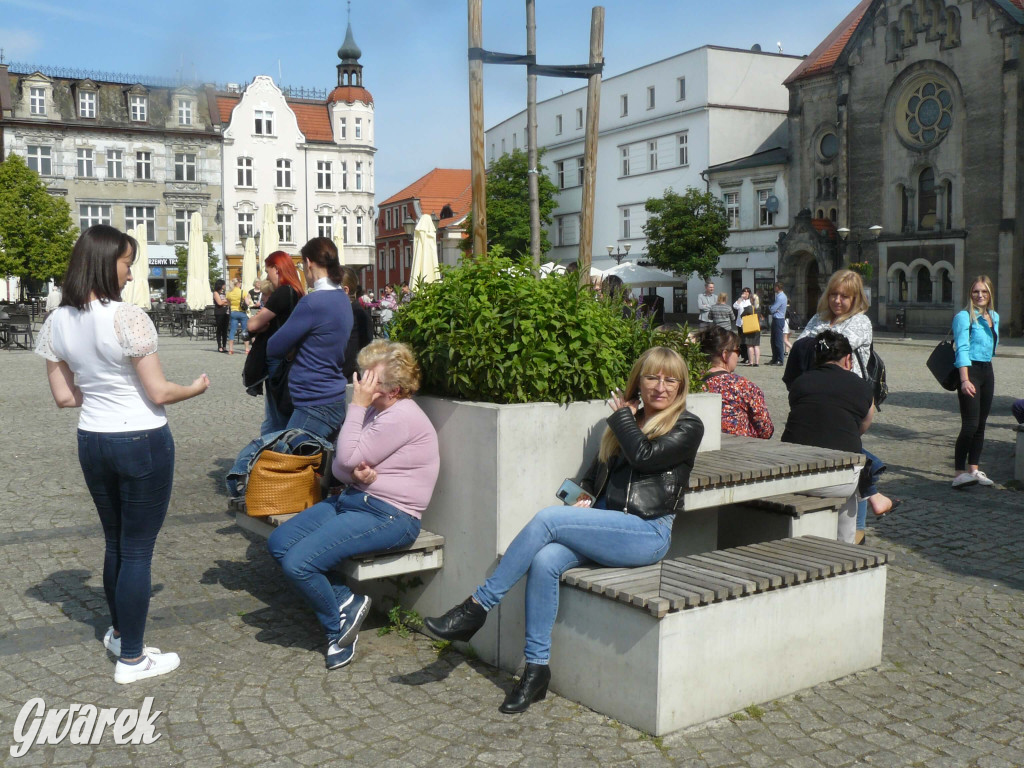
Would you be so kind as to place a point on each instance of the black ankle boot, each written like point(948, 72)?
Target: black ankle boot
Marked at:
point(532, 686)
point(460, 623)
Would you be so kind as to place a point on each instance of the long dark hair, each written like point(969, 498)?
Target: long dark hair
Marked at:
point(92, 269)
point(219, 285)
point(715, 341)
point(324, 253)
point(830, 347)
point(286, 271)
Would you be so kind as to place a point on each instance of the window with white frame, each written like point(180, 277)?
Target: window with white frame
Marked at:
point(342, 128)
point(359, 175)
point(680, 89)
point(244, 177)
point(568, 229)
point(652, 155)
point(139, 108)
point(625, 161)
point(87, 104)
point(325, 227)
point(650, 97)
point(37, 101)
point(380, 259)
point(624, 105)
point(765, 218)
point(88, 215)
point(263, 123)
point(324, 180)
point(344, 229)
point(85, 158)
point(359, 230)
point(503, 146)
point(115, 164)
point(359, 127)
point(182, 218)
point(141, 216)
point(143, 166)
point(391, 258)
point(184, 166)
point(284, 174)
point(245, 224)
point(558, 125)
point(732, 208)
point(184, 111)
point(344, 174)
point(683, 147)
point(560, 173)
point(284, 227)
point(39, 159)
point(579, 118)
point(387, 220)
point(625, 223)
point(408, 257)
point(579, 171)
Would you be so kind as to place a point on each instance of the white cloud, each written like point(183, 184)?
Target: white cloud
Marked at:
point(19, 44)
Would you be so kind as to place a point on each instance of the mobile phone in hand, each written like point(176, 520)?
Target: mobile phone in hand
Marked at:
point(569, 493)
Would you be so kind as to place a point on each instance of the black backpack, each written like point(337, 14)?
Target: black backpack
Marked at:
point(875, 376)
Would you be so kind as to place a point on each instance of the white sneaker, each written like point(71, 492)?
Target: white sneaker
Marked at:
point(964, 479)
point(982, 478)
point(113, 644)
point(152, 664)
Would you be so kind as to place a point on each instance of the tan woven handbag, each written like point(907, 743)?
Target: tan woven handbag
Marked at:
point(282, 483)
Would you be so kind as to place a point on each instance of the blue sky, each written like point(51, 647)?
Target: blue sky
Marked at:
point(414, 51)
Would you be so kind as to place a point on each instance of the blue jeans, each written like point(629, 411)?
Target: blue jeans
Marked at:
point(317, 539)
point(129, 475)
point(273, 420)
point(560, 538)
point(321, 420)
point(238, 320)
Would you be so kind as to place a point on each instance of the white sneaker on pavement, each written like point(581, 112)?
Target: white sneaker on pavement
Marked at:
point(964, 479)
point(982, 478)
point(152, 664)
point(113, 644)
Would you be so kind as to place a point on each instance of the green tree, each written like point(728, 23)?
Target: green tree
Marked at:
point(36, 230)
point(182, 253)
point(686, 233)
point(508, 205)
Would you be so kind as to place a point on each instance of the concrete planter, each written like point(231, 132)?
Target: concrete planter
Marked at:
point(499, 465)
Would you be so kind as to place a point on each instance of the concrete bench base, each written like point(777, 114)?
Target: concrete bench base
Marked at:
point(611, 652)
point(778, 517)
point(424, 554)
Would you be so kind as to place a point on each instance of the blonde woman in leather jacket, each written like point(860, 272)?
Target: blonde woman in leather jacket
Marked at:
point(642, 469)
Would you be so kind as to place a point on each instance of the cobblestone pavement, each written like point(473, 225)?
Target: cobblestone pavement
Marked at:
point(252, 689)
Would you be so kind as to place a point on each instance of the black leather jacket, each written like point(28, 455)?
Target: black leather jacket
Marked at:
point(649, 477)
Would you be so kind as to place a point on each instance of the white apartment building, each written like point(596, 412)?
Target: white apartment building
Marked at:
point(661, 125)
point(311, 159)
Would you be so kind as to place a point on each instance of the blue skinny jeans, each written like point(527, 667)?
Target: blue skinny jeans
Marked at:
point(560, 538)
point(314, 541)
point(320, 420)
point(129, 475)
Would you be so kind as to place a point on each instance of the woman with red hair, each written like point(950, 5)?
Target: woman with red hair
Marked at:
point(287, 291)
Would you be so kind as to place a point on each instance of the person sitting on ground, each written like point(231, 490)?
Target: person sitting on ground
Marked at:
point(642, 469)
point(743, 408)
point(720, 313)
point(830, 407)
point(387, 453)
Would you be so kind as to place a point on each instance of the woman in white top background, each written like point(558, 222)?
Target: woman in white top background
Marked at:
point(125, 447)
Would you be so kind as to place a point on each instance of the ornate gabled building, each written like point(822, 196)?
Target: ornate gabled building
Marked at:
point(311, 159)
point(907, 152)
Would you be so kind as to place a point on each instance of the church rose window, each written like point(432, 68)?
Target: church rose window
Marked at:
point(927, 113)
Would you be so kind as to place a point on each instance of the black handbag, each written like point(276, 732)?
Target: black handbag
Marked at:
point(942, 364)
point(874, 375)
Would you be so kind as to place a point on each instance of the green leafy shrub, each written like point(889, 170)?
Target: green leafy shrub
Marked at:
point(491, 331)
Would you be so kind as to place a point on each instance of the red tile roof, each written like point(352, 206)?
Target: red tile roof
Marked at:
point(313, 117)
point(440, 187)
point(822, 58)
point(350, 94)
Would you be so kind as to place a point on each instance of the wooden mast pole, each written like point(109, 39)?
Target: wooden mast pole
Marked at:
point(590, 144)
point(478, 169)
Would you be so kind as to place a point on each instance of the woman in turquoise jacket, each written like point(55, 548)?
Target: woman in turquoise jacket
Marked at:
point(976, 335)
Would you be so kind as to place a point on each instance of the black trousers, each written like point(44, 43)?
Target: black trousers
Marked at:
point(973, 415)
point(222, 330)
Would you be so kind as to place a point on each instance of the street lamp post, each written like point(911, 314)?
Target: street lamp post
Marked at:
point(615, 253)
point(858, 237)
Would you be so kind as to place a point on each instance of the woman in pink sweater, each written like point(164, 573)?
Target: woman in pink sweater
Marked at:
point(387, 455)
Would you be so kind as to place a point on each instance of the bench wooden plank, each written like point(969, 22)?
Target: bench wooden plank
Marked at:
point(761, 580)
point(852, 561)
point(679, 585)
point(775, 571)
point(747, 586)
point(721, 589)
point(800, 571)
point(796, 504)
point(817, 568)
point(873, 557)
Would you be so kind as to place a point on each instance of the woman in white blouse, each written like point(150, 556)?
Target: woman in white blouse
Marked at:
point(125, 447)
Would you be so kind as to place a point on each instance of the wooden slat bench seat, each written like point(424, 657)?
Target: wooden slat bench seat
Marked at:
point(778, 517)
point(692, 638)
point(424, 554)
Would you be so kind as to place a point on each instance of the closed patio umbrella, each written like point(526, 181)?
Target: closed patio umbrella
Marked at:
point(268, 231)
point(197, 290)
point(137, 291)
point(424, 253)
point(250, 269)
point(338, 241)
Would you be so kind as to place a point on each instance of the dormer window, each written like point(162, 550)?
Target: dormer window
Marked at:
point(264, 122)
point(37, 100)
point(87, 104)
point(184, 112)
point(138, 108)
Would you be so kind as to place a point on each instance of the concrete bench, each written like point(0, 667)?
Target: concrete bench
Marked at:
point(424, 554)
point(1018, 457)
point(689, 639)
point(778, 517)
